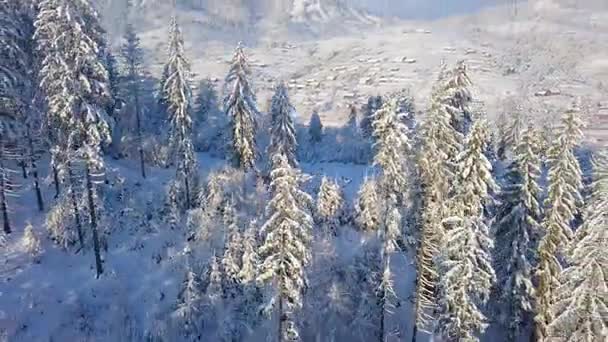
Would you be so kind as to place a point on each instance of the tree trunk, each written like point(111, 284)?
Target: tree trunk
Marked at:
point(92, 213)
point(56, 181)
point(281, 320)
point(187, 189)
point(140, 138)
point(3, 204)
point(74, 201)
point(35, 173)
point(414, 332)
point(23, 169)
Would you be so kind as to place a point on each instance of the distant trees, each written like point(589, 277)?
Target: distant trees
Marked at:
point(282, 130)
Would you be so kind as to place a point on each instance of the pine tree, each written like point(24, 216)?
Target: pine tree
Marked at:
point(189, 304)
point(18, 78)
point(457, 97)
point(71, 39)
point(315, 128)
point(284, 251)
point(31, 241)
point(132, 55)
point(249, 258)
point(437, 160)
point(231, 260)
point(352, 123)
point(367, 207)
point(466, 273)
point(580, 307)
point(282, 131)
point(178, 97)
point(392, 147)
point(240, 106)
point(374, 103)
point(563, 202)
point(330, 204)
point(517, 225)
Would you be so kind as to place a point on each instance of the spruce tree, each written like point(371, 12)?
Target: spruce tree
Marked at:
point(517, 226)
point(330, 204)
point(465, 269)
point(315, 128)
point(282, 131)
point(189, 302)
point(240, 106)
point(374, 103)
point(579, 311)
point(437, 161)
point(458, 97)
point(284, 251)
point(75, 81)
point(562, 204)
point(133, 58)
point(178, 97)
point(367, 207)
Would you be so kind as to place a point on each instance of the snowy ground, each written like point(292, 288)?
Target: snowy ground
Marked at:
point(59, 297)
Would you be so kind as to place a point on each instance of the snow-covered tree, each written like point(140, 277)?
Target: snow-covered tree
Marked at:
point(133, 58)
point(240, 106)
point(580, 307)
point(214, 291)
point(75, 81)
point(517, 226)
point(374, 103)
point(353, 124)
point(315, 128)
point(562, 204)
point(392, 149)
point(178, 96)
point(231, 259)
point(31, 241)
point(406, 109)
point(436, 163)
point(249, 257)
point(8, 135)
point(458, 97)
point(465, 268)
point(284, 251)
point(282, 131)
point(330, 205)
point(189, 302)
point(367, 207)
point(209, 122)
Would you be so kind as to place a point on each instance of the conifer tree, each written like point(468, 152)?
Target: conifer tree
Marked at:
point(330, 204)
point(563, 202)
point(367, 207)
point(315, 128)
point(189, 301)
point(71, 39)
point(31, 241)
point(466, 273)
point(178, 97)
point(250, 258)
point(282, 130)
point(231, 259)
point(517, 225)
point(240, 106)
point(579, 311)
point(437, 160)
point(132, 55)
point(374, 103)
point(458, 97)
point(353, 123)
point(284, 251)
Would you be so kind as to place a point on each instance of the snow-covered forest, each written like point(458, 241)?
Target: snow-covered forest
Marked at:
point(178, 208)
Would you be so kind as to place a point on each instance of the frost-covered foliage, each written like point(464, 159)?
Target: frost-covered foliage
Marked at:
point(511, 127)
point(562, 204)
point(392, 146)
point(31, 241)
point(60, 222)
point(75, 82)
point(580, 307)
point(374, 103)
point(285, 250)
point(189, 302)
point(330, 206)
point(466, 272)
point(178, 97)
point(517, 227)
point(367, 207)
point(282, 130)
point(240, 106)
point(457, 96)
